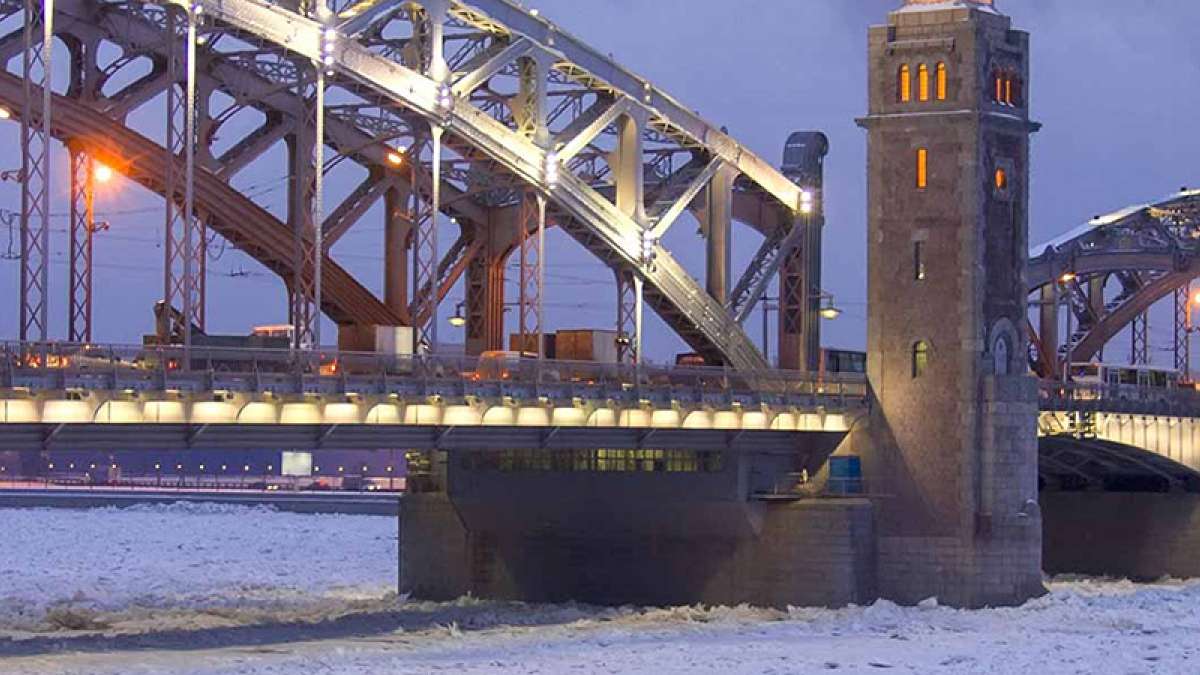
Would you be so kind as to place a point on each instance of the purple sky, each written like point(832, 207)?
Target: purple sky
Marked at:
point(1117, 86)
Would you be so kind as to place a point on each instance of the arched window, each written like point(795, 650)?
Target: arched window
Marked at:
point(1008, 89)
point(1000, 351)
point(923, 82)
point(942, 85)
point(920, 358)
point(998, 96)
point(1001, 179)
point(904, 84)
point(922, 168)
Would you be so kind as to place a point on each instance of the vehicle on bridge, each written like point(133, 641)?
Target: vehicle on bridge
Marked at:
point(1128, 375)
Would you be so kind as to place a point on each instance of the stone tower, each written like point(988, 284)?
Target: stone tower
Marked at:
point(951, 447)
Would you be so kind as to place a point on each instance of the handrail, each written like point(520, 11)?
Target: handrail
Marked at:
point(262, 367)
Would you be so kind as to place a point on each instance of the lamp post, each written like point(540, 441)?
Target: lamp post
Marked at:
point(1063, 281)
point(1190, 327)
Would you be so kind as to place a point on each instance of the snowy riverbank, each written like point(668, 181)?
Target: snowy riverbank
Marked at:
point(190, 583)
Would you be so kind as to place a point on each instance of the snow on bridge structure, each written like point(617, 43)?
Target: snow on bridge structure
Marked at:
point(630, 484)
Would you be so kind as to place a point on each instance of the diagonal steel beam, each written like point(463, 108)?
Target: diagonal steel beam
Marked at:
point(663, 223)
point(476, 78)
point(584, 129)
point(358, 202)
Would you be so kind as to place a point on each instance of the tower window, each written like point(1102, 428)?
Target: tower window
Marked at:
point(1001, 179)
point(920, 358)
point(919, 260)
point(922, 168)
point(942, 85)
point(923, 82)
point(1008, 90)
point(998, 97)
point(904, 84)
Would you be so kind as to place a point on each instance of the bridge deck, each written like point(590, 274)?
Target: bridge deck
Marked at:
point(67, 395)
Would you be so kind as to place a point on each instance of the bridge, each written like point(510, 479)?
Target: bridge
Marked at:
point(93, 397)
point(479, 125)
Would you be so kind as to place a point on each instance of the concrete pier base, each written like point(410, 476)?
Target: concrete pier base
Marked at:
point(1137, 535)
point(807, 553)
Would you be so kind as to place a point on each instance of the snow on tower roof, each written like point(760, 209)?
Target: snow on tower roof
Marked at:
point(988, 6)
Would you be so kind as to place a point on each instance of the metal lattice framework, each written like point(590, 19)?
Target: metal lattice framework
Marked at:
point(460, 110)
point(1109, 272)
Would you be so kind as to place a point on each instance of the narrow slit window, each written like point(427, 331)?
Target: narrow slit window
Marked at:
point(904, 84)
point(920, 358)
point(923, 82)
point(1001, 180)
point(942, 85)
point(999, 96)
point(919, 260)
point(922, 168)
point(1008, 90)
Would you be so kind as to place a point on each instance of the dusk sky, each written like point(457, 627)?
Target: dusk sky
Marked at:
point(1116, 84)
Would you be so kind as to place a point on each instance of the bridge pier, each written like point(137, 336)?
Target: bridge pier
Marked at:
point(605, 529)
point(1141, 536)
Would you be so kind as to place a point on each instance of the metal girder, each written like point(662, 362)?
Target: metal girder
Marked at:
point(476, 78)
point(762, 268)
point(183, 248)
point(35, 170)
point(585, 128)
point(357, 203)
point(629, 316)
point(1151, 249)
point(81, 230)
point(1181, 346)
point(672, 284)
point(245, 224)
point(252, 146)
point(663, 221)
point(531, 283)
point(599, 71)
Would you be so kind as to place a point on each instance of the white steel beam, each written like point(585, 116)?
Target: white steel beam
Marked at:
point(476, 78)
point(664, 222)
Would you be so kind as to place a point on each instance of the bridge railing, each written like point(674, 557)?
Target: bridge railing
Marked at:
point(61, 366)
point(1118, 398)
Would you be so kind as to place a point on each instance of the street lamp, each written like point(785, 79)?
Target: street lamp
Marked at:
point(458, 320)
point(1189, 328)
point(102, 173)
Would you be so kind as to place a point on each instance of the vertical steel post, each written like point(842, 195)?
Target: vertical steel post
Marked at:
point(82, 230)
point(318, 207)
point(1183, 330)
point(628, 322)
point(425, 246)
point(35, 170)
point(190, 242)
point(183, 237)
point(541, 275)
point(1139, 333)
point(529, 287)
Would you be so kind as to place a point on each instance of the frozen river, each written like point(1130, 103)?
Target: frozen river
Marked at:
point(232, 590)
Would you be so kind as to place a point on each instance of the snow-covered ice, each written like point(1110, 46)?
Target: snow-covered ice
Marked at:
point(185, 565)
point(215, 571)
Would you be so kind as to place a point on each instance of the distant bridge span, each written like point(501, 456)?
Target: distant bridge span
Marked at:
point(1152, 250)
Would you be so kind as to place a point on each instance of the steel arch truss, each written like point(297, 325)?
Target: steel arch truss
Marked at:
point(1108, 273)
point(520, 108)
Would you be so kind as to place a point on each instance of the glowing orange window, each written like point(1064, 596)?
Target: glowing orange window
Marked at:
point(923, 82)
point(942, 85)
point(922, 168)
point(1001, 179)
point(904, 85)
